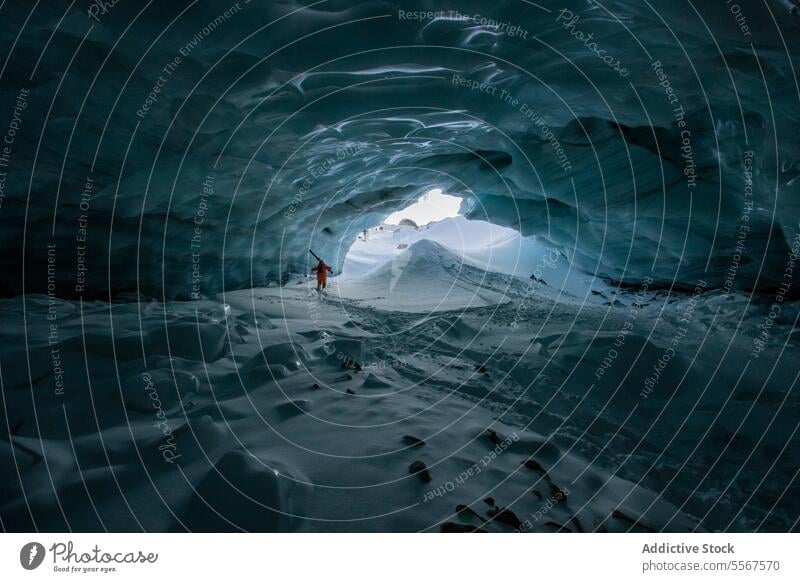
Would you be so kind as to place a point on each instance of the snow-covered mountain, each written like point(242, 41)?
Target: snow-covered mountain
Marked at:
point(475, 243)
point(425, 276)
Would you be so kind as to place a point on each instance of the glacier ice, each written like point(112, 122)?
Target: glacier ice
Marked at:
point(275, 128)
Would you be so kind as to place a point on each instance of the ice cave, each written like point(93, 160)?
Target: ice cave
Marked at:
point(558, 243)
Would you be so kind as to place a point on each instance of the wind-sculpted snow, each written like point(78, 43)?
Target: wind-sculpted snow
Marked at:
point(190, 147)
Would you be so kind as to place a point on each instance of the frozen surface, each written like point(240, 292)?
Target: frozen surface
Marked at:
point(285, 410)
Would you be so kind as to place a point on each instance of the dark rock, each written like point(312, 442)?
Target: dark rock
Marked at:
point(489, 501)
point(534, 466)
point(467, 510)
point(419, 469)
point(315, 386)
point(505, 516)
point(557, 493)
point(493, 436)
point(348, 391)
point(617, 514)
point(413, 441)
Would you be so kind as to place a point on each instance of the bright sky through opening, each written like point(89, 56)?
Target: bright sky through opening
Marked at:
point(431, 207)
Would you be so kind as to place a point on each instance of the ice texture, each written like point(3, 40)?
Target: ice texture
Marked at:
point(307, 124)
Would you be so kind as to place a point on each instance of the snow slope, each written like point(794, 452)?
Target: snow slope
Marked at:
point(476, 243)
point(424, 277)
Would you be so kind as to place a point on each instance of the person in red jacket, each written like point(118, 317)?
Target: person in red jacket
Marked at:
point(322, 274)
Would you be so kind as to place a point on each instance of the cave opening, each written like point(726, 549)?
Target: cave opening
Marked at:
point(395, 262)
point(434, 216)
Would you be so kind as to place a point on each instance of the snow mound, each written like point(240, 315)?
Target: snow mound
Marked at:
point(483, 245)
point(241, 493)
point(424, 278)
